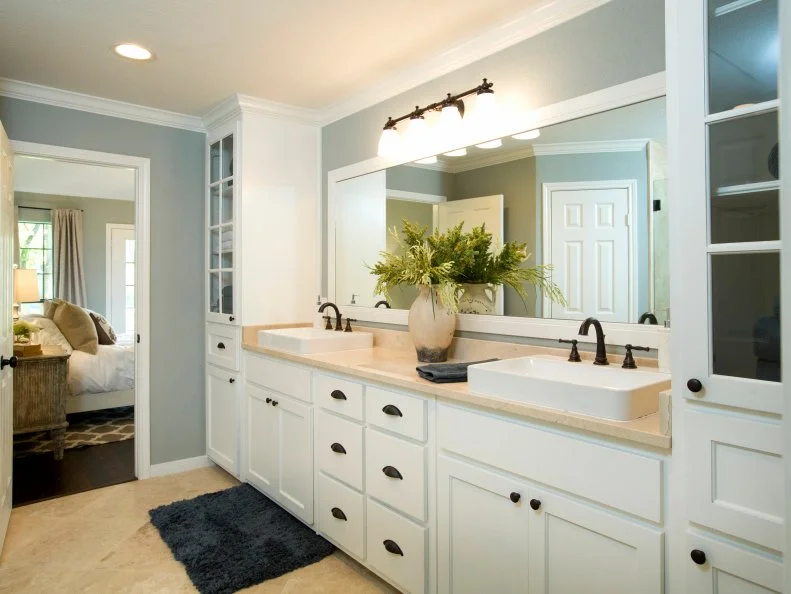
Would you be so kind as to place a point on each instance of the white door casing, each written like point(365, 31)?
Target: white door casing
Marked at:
point(115, 304)
point(473, 212)
point(360, 199)
point(588, 239)
point(6, 333)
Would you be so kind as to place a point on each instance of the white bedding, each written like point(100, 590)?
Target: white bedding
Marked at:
point(111, 368)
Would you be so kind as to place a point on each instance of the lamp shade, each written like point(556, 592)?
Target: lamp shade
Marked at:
point(389, 143)
point(25, 285)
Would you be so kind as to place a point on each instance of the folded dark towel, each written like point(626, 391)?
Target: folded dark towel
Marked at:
point(446, 373)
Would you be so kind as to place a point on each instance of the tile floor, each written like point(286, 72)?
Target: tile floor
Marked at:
point(101, 541)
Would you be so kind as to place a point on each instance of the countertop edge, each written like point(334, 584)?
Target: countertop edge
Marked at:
point(547, 415)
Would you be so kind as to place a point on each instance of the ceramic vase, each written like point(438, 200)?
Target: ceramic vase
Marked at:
point(478, 298)
point(431, 326)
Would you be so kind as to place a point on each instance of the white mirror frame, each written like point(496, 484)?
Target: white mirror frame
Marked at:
point(656, 337)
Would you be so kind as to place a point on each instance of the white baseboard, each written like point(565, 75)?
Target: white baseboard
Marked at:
point(177, 466)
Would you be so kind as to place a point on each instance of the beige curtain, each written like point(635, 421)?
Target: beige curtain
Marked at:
point(69, 265)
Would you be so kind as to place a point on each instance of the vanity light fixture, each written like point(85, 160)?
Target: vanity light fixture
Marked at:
point(451, 110)
point(492, 144)
point(458, 153)
point(529, 135)
point(132, 51)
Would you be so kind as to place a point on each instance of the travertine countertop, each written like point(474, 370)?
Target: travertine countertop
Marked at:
point(389, 362)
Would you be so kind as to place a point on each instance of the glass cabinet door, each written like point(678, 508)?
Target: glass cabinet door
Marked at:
point(220, 241)
point(743, 235)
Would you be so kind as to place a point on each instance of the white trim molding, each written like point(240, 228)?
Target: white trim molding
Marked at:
point(541, 16)
point(415, 196)
point(238, 104)
point(183, 465)
point(26, 91)
point(142, 169)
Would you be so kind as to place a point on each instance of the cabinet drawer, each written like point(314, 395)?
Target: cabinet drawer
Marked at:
point(340, 515)
point(340, 396)
point(735, 476)
point(281, 377)
point(623, 480)
point(396, 547)
point(386, 459)
point(222, 346)
point(340, 448)
point(396, 412)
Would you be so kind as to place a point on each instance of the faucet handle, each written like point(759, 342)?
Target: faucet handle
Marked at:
point(574, 355)
point(628, 360)
point(349, 324)
point(329, 323)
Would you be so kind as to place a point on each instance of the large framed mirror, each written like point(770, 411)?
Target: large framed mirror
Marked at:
point(586, 194)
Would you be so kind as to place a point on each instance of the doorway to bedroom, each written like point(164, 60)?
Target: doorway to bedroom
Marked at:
point(76, 295)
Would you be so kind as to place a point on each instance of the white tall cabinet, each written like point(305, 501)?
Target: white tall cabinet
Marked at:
point(262, 207)
point(725, 251)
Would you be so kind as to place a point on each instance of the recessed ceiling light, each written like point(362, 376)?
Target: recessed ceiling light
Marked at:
point(132, 51)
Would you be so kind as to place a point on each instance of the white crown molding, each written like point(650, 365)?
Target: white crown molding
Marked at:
point(539, 18)
point(593, 146)
point(109, 107)
point(238, 104)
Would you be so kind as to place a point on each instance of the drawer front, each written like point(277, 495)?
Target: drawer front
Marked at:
point(340, 447)
point(623, 480)
point(396, 547)
point(340, 396)
point(395, 472)
point(291, 380)
point(340, 515)
point(396, 412)
point(735, 476)
point(222, 346)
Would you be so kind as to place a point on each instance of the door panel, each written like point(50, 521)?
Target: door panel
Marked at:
point(295, 479)
point(575, 547)
point(262, 440)
point(221, 419)
point(6, 333)
point(482, 534)
point(121, 277)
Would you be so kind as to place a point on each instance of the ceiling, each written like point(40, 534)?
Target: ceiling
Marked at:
point(61, 178)
point(306, 53)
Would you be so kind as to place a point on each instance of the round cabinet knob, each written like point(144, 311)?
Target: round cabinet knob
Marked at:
point(232, 381)
point(515, 497)
point(698, 556)
point(231, 318)
point(694, 385)
point(275, 403)
point(535, 504)
point(268, 400)
point(8, 362)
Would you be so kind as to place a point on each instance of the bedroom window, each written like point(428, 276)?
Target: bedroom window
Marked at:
point(36, 251)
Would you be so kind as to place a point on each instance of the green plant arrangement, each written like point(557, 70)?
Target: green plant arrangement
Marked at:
point(23, 329)
point(448, 260)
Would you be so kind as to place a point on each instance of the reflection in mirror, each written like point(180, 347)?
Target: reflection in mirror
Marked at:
point(587, 196)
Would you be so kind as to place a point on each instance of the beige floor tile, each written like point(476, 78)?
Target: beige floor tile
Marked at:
point(102, 541)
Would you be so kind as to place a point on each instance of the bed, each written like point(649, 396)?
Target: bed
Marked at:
point(95, 382)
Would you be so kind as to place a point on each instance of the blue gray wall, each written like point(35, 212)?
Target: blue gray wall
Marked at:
point(615, 43)
point(177, 287)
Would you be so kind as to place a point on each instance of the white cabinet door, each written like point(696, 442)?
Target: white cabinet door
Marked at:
point(482, 534)
point(222, 441)
point(575, 547)
point(719, 568)
point(295, 476)
point(262, 441)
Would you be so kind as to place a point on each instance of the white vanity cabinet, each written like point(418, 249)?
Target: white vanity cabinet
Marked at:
point(279, 437)
point(499, 530)
point(222, 414)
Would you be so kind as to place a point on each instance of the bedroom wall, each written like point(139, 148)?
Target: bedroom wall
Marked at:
point(177, 287)
point(97, 213)
point(615, 43)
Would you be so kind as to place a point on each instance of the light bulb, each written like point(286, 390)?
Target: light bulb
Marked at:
point(132, 51)
point(428, 160)
point(416, 134)
point(486, 107)
point(458, 153)
point(389, 143)
point(492, 144)
point(529, 135)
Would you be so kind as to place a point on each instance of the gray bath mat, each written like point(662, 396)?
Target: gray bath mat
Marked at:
point(236, 538)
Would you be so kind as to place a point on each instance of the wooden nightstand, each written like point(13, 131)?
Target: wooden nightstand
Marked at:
point(40, 392)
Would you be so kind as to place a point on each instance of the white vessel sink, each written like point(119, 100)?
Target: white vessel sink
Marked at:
point(607, 392)
point(305, 341)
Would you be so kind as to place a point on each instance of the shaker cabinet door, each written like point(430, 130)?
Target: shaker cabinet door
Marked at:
point(262, 441)
point(295, 464)
point(222, 434)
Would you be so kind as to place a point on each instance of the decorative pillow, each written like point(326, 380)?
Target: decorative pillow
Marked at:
point(77, 326)
point(50, 306)
point(49, 335)
point(104, 330)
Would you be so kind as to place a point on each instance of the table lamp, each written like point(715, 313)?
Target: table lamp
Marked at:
point(25, 288)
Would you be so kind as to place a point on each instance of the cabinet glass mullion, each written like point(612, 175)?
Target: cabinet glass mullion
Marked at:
point(220, 232)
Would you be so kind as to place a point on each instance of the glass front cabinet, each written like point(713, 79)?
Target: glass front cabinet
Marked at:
point(220, 242)
point(723, 131)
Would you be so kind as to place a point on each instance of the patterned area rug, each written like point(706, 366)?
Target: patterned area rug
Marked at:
point(85, 429)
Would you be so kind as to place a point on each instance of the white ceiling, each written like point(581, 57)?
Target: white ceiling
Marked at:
point(307, 53)
point(61, 178)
